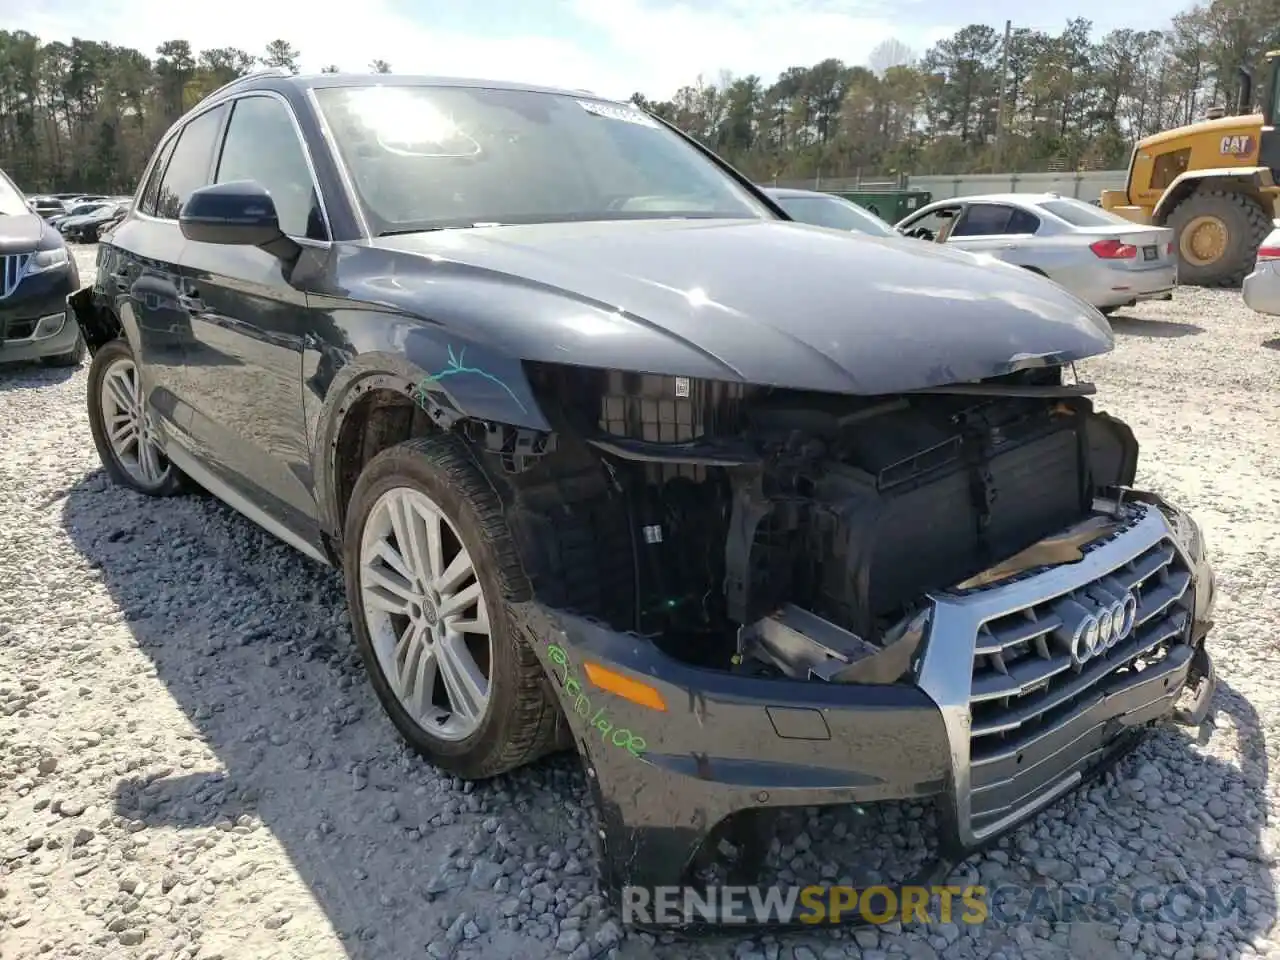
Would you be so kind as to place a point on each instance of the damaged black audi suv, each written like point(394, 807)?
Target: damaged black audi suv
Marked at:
point(616, 457)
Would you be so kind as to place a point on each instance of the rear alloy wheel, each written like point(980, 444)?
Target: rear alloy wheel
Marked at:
point(430, 570)
point(123, 430)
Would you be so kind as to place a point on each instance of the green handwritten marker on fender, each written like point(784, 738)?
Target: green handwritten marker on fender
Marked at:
point(599, 721)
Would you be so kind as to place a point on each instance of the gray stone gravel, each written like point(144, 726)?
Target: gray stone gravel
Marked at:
point(192, 764)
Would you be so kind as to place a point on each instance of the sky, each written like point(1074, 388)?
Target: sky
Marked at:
point(611, 47)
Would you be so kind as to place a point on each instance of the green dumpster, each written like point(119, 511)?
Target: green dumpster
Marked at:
point(889, 205)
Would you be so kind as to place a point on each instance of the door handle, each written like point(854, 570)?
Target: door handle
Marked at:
point(191, 301)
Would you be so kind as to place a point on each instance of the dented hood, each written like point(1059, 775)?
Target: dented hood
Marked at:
point(766, 302)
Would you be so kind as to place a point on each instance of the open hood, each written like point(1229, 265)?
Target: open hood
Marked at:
point(20, 233)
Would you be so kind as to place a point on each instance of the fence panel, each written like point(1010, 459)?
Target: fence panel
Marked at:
point(1084, 186)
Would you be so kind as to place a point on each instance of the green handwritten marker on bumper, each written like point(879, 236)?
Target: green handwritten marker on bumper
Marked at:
point(617, 737)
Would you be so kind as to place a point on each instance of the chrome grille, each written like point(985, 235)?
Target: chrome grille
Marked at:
point(1029, 699)
point(1023, 720)
point(12, 268)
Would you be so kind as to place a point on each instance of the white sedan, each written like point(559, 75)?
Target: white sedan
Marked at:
point(825, 210)
point(1102, 258)
point(1262, 287)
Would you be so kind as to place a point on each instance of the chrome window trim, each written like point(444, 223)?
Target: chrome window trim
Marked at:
point(230, 100)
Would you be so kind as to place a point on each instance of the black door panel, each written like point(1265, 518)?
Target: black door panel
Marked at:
point(142, 276)
point(244, 358)
point(147, 280)
point(249, 320)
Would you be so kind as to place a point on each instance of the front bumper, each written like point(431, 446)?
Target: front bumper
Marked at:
point(723, 743)
point(22, 336)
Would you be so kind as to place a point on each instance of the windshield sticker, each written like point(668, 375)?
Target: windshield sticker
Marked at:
point(455, 368)
point(614, 111)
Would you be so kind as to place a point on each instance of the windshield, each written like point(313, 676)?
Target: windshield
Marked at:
point(1081, 214)
point(11, 202)
point(834, 212)
point(430, 157)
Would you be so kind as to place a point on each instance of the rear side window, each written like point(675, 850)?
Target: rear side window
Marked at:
point(151, 192)
point(191, 164)
point(1020, 221)
point(983, 219)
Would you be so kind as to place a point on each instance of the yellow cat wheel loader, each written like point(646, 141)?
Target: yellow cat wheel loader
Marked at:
point(1214, 182)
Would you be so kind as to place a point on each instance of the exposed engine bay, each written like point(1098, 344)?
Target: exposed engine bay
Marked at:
point(790, 533)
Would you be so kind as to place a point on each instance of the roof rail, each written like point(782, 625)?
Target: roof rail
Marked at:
point(252, 75)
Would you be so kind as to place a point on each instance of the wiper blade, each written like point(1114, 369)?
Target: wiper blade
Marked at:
point(452, 226)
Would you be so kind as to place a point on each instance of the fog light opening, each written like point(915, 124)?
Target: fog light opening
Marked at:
point(49, 326)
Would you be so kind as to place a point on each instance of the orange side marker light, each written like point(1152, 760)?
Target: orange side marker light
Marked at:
point(625, 687)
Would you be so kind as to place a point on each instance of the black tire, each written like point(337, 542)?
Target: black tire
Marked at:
point(1247, 226)
point(522, 719)
point(1108, 311)
point(172, 482)
point(72, 358)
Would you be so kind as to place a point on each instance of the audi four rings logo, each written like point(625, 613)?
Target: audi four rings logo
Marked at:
point(1104, 625)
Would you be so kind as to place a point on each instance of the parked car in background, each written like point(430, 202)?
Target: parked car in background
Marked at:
point(825, 210)
point(89, 227)
point(1099, 256)
point(37, 273)
point(47, 206)
point(611, 456)
point(87, 198)
point(1262, 286)
point(79, 210)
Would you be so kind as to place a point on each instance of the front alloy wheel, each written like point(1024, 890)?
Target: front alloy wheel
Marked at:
point(431, 574)
point(123, 430)
point(426, 613)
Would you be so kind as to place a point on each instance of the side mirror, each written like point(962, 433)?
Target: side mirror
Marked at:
point(240, 213)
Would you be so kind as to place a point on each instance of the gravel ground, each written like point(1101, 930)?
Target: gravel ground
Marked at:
point(192, 764)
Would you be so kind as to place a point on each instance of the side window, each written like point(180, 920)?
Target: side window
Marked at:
point(933, 224)
point(192, 159)
point(151, 193)
point(1021, 221)
point(983, 220)
point(262, 145)
point(1168, 166)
